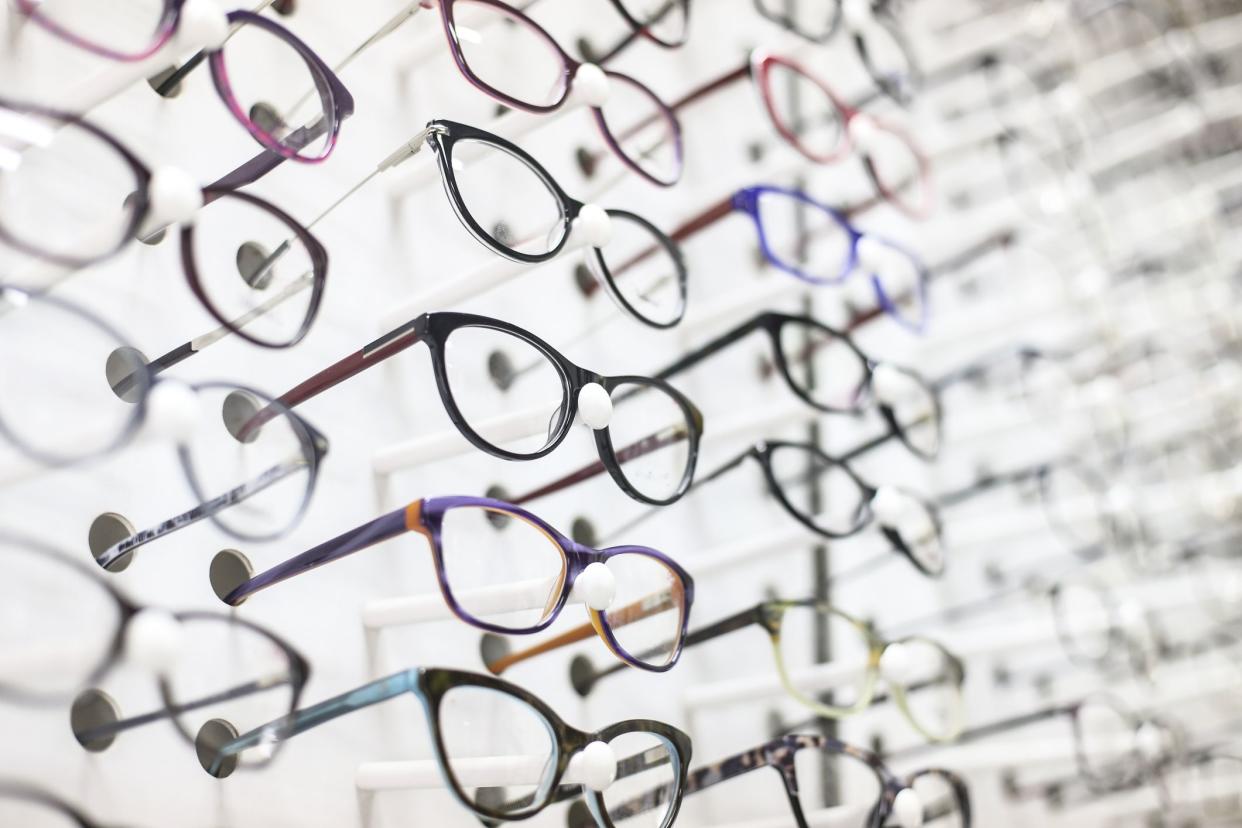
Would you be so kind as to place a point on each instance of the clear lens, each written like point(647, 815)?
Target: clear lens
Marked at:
point(65, 193)
point(917, 415)
point(650, 434)
point(263, 472)
point(647, 612)
point(831, 779)
point(931, 683)
point(1212, 787)
point(232, 674)
point(255, 271)
point(899, 278)
point(32, 813)
point(800, 235)
point(525, 416)
point(802, 108)
point(814, 20)
point(848, 683)
point(887, 61)
point(508, 55)
point(843, 506)
point(515, 208)
point(57, 624)
point(1106, 740)
point(919, 532)
point(643, 269)
point(646, 784)
point(1084, 621)
point(126, 28)
point(482, 558)
point(642, 128)
point(896, 168)
point(824, 366)
point(44, 394)
point(284, 98)
point(938, 796)
point(479, 726)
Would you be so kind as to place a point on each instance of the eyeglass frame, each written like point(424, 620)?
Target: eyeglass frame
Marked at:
point(434, 328)
point(425, 517)
point(430, 685)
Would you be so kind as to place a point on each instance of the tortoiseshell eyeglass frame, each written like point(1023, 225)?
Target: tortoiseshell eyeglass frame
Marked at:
point(430, 686)
point(779, 754)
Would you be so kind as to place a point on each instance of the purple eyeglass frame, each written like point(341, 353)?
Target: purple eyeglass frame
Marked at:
point(426, 517)
point(569, 69)
point(170, 18)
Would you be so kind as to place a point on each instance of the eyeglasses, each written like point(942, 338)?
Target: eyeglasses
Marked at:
point(511, 204)
point(824, 129)
point(817, 244)
point(821, 773)
point(465, 712)
point(266, 60)
point(908, 523)
point(81, 628)
point(1110, 740)
point(923, 677)
point(487, 38)
point(638, 598)
point(878, 40)
point(646, 432)
point(227, 252)
point(843, 376)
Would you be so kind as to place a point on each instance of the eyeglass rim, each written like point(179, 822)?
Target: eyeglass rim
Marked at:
point(644, 29)
point(314, 248)
point(309, 440)
point(761, 63)
point(170, 20)
point(883, 17)
point(340, 103)
point(790, 26)
point(445, 135)
point(138, 409)
point(763, 453)
point(665, 112)
point(669, 247)
point(436, 683)
point(142, 192)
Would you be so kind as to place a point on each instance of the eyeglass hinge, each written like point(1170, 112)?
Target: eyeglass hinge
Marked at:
point(411, 147)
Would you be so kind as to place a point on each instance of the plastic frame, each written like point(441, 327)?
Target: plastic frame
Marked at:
point(778, 754)
point(430, 686)
point(426, 516)
point(639, 27)
point(435, 328)
point(170, 19)
point(569, 69)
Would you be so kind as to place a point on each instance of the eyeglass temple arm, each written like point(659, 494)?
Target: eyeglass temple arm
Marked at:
point(125, 548)
point(711, 347)
point(988, 482)
point(383, 528)
point(391, 343)
point(741, 620)
point(628, 614)
point(188, 349)
point(993, 728)
point(712, 86)
point(121, 725)
point(303, 720)
point(976, 369)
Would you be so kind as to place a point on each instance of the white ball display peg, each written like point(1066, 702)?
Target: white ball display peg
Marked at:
point(891, 506)
point(594, 224)
point(203, 24)
point(908, 808)
point(599, 765)
point(591, 85)
point(594, 406)
point(597, 586)
point(175, 196)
